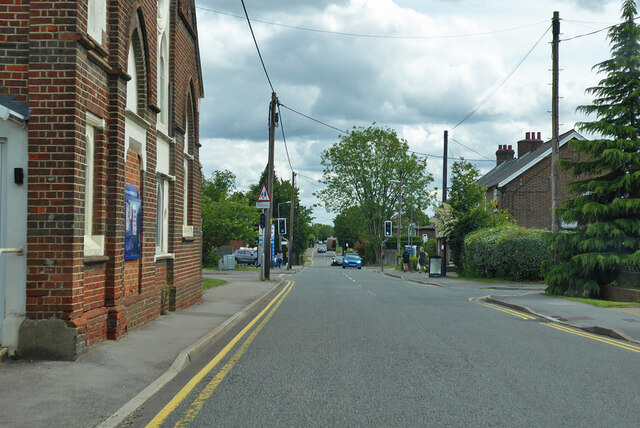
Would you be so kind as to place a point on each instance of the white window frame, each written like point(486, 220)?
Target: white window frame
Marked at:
point(162, 218)
point(93, 244)
point(96, 19)
point(187, 229)
point(132, 85)
point(163, 84)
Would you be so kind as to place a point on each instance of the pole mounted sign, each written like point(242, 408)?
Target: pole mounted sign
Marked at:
point(264, 200)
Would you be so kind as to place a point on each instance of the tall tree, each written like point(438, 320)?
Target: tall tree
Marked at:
point(466, 210)
point(607, 210)
point(359, 171)
point(465, 192)
point(226, 214)
point(350, 227)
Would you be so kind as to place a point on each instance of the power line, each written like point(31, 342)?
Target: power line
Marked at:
point(316, 120)
point(467, 147)
point(311, 180)
point(450, 157)
point(256, 43)
point(375, 36)
point(596, 31)
point(492, 93)
point(286, 149)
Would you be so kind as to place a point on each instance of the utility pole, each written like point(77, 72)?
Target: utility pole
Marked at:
point(269, 219)
point(293, 201)
point(554, 122)
point(444, 199)
point(399, 212)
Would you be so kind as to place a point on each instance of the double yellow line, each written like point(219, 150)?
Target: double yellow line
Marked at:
point(197, 404)
point(609, 341)
point(513, 312)
point(624, 345)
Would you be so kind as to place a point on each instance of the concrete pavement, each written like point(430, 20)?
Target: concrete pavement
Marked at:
point(619, 322)
point(115, 377)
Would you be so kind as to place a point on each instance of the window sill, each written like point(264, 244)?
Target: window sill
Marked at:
point(96, 259)
point(93, 246)
point(164, 256)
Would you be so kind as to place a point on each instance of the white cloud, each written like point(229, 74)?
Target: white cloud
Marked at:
point(418, 86)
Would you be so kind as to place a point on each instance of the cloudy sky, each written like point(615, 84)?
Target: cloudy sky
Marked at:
point(417, 66)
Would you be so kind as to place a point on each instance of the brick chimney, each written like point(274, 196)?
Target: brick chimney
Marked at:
point(530, 143)
point(504, 154)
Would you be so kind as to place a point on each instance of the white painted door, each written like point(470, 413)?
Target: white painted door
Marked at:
point(13, 229)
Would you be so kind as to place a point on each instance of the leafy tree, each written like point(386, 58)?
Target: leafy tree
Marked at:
point(607, 210)
point(465, 192)
point(226, 214)
point(219, 186)
point(323, 231)
point(350, 227)
point(359, 170)
point(281, 193)
point(466, 210)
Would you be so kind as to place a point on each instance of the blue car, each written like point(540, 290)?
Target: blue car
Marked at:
point(352, 260)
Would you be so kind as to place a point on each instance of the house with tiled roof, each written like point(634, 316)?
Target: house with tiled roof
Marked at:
point(522, 184)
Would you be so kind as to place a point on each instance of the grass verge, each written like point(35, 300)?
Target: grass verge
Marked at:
point(595, 302)
point(208, 283)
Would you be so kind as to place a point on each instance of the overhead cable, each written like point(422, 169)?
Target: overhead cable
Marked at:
point(315, 120)
point(286, 149)
point(376, 36)
point(467, 147)
point(596, 31)
point(492, 93)
point(450, 157)
point(256, 43)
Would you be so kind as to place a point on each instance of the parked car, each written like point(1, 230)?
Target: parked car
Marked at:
point(322, 248)
point(336, 260)
point(352, 260)
point(246, 255)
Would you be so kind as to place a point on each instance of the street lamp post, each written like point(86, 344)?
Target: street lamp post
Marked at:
point(401, 182)
point(280, 237)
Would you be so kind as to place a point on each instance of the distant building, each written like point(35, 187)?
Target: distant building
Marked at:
point(523, 184)
point(99, 115)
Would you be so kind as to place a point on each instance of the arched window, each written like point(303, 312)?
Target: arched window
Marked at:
point(163, 82)
point(132, 85)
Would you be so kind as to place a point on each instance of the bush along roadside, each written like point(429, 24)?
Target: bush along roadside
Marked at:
point(508, 252)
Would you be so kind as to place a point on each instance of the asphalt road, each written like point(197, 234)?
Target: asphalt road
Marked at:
point(348, 347)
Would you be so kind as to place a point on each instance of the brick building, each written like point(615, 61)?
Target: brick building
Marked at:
point(104, 97)
point(523, 184)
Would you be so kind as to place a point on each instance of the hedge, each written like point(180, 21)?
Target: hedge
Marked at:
point(508, 252)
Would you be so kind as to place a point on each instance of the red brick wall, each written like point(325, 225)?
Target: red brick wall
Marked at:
point(50, 61)
point(528, 197)
point(14, 48)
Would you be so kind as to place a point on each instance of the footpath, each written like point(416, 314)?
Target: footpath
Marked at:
point(114, 378)
point(618, 322)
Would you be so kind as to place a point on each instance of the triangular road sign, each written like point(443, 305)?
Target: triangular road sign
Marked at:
point(264, 195)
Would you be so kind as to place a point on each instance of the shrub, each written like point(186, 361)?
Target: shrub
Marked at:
point(508, 252)
point(431, 247)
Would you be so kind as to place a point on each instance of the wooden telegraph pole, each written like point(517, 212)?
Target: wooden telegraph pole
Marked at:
point(444, 199)
point(268, 220)
point(293, 201)
point(555, 227)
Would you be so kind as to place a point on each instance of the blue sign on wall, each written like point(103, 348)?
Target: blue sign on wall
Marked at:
point(132, 223)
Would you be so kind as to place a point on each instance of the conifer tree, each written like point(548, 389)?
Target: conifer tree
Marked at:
point(607, 208)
